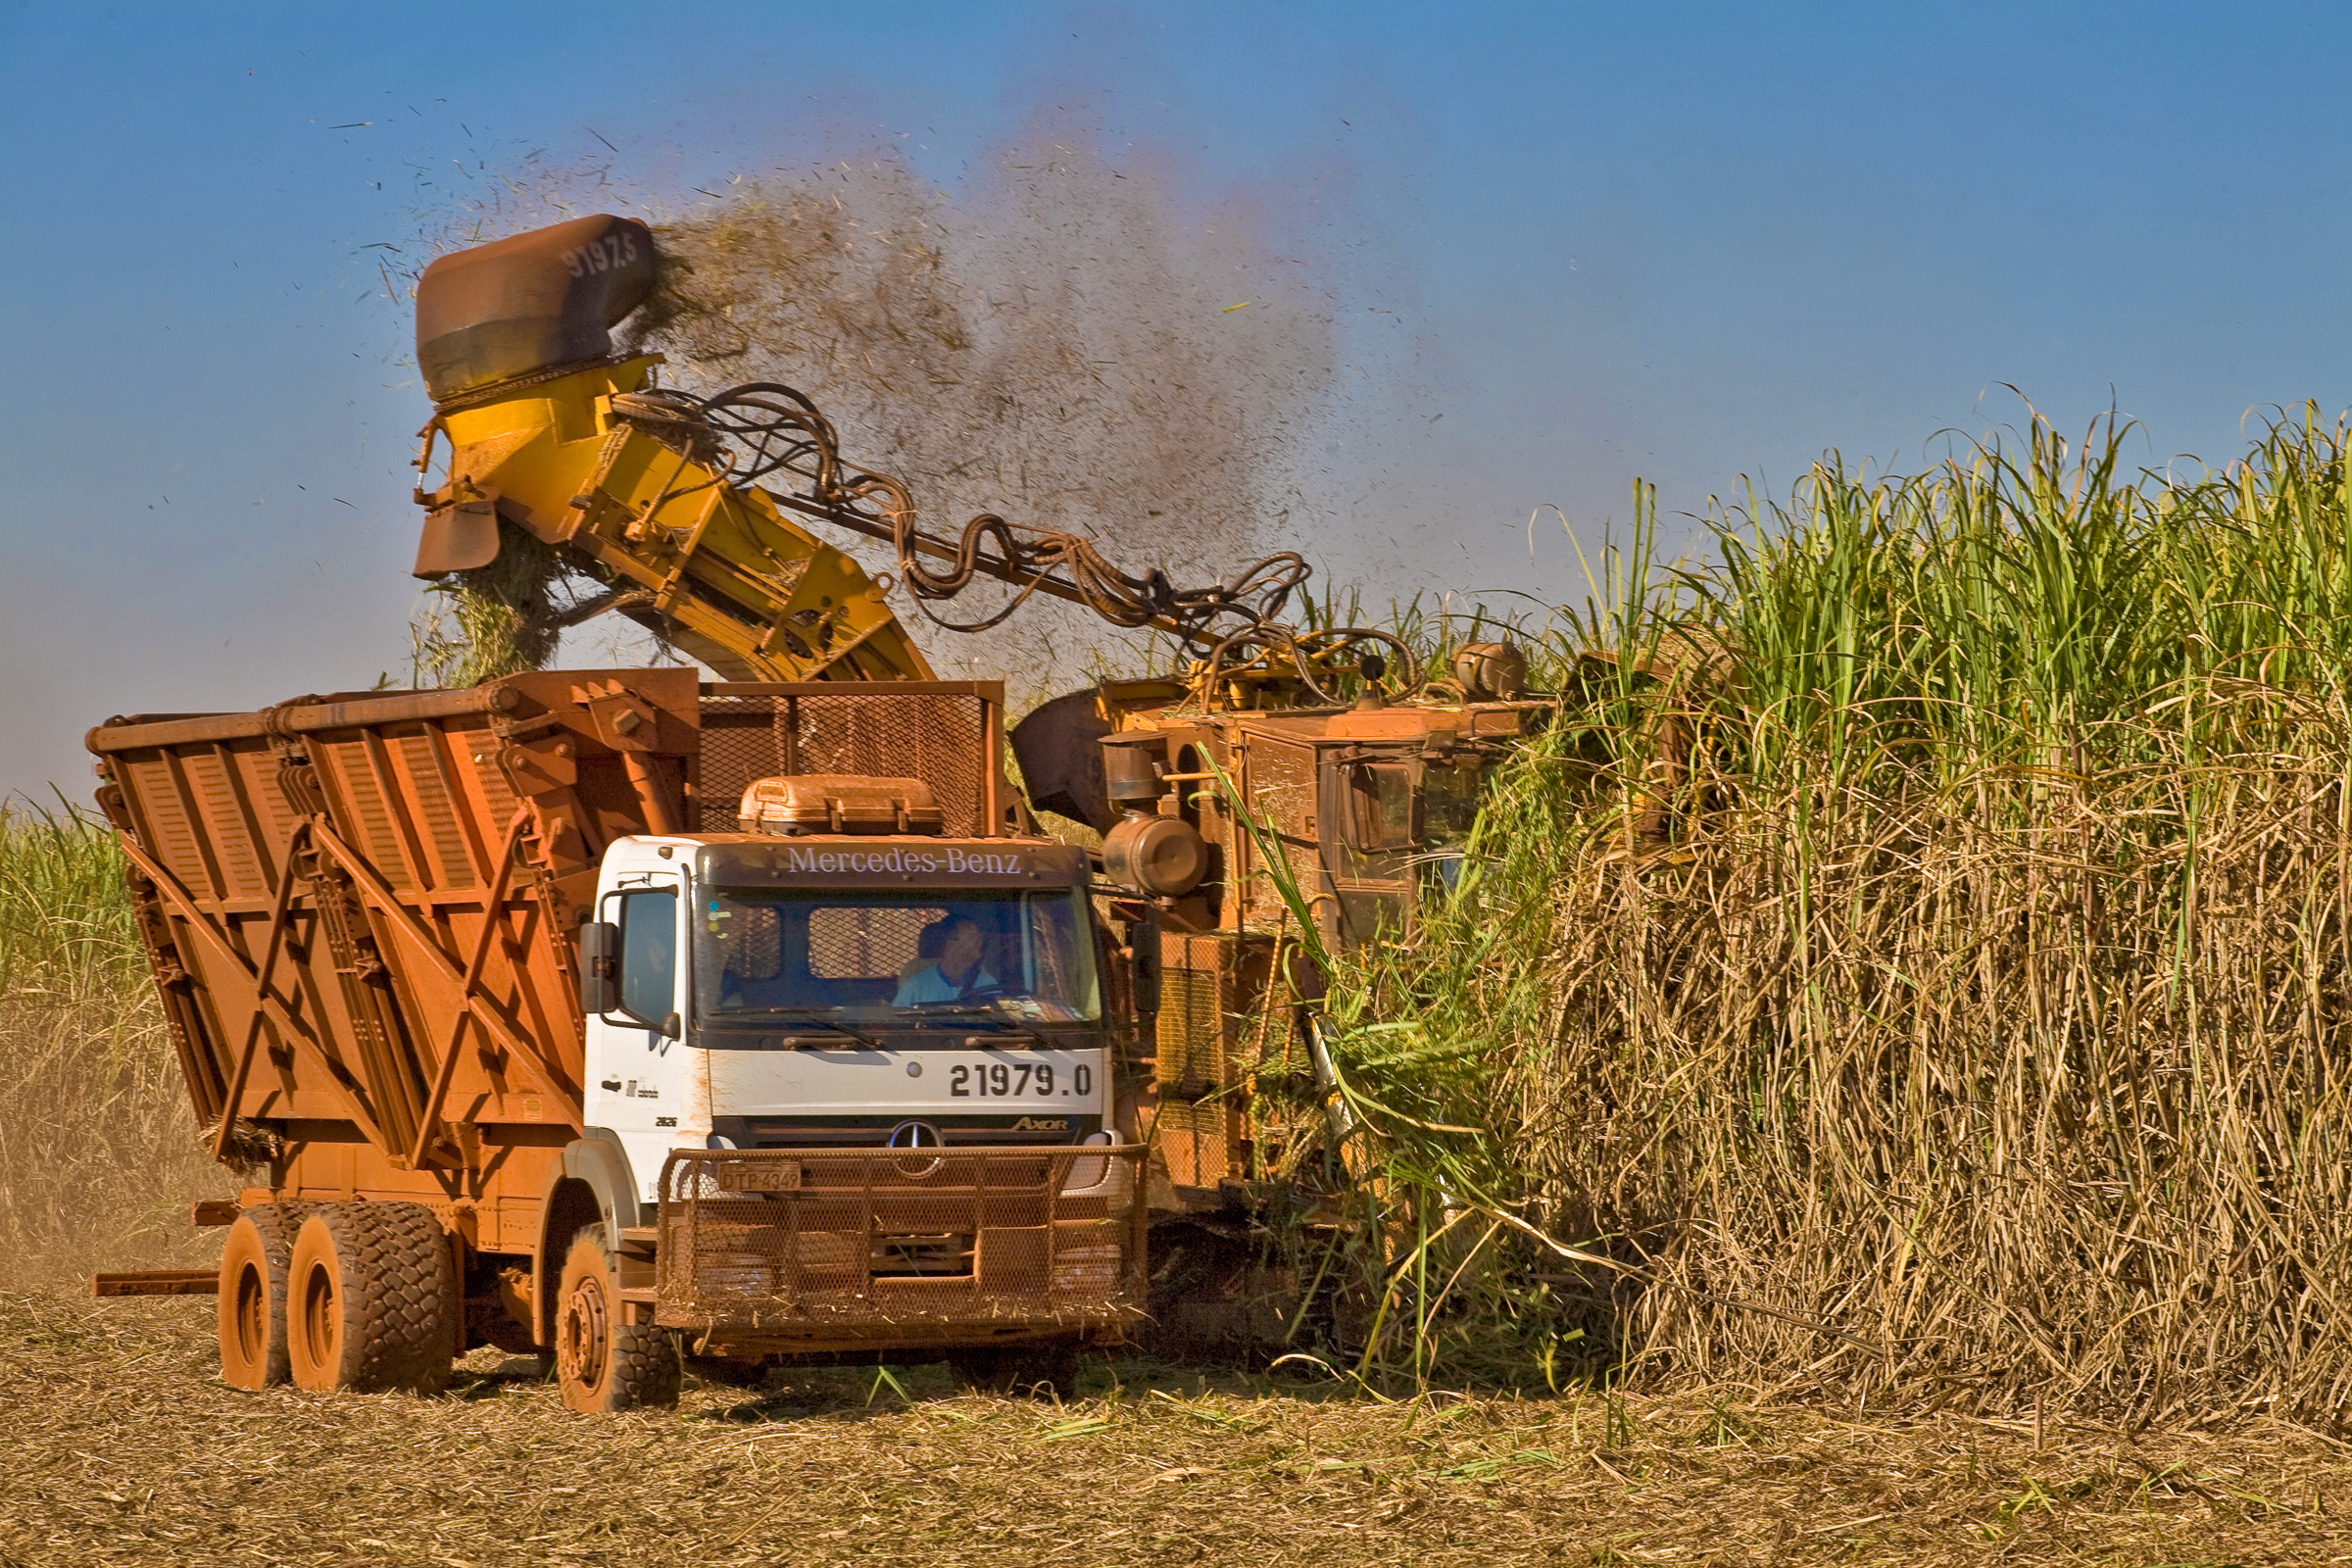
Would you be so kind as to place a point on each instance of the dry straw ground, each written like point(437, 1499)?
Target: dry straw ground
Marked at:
point(123, 1446)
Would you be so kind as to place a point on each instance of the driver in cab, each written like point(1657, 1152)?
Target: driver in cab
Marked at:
point(956, 974)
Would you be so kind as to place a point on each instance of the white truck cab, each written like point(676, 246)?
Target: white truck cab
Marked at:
point(843, 990)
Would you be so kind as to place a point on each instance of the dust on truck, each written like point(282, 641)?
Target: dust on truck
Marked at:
point(597, 1013)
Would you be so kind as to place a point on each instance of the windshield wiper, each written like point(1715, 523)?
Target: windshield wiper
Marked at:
point(971, 1018)
point(816, 1020)
point(983, 1013)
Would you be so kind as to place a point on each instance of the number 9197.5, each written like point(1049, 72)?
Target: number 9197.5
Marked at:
point(1000, 1080)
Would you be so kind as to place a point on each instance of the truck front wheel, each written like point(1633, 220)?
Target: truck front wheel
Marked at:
point(253, 1295)
point(370, 1299)
point(603, 1362)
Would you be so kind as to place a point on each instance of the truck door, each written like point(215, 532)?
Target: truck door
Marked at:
point(637, 1064)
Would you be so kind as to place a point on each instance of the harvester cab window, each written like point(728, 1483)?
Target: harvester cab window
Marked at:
point(1375, 842)
point(1403, 825)
point(649, 954)
point(1380, 805)
point(1371, 855)
point(1450, 798)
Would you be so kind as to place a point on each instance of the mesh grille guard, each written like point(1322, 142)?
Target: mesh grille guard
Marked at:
point(900, 1247)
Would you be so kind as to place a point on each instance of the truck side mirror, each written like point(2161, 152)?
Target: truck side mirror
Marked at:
point(672, 1026)
point(600, 967)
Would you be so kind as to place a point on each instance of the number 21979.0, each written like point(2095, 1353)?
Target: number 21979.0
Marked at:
point(999, 1080)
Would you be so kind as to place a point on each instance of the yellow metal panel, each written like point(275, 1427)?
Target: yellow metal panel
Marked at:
point(715, 568)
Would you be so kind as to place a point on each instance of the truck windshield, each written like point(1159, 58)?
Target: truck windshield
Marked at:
point(1013, 954)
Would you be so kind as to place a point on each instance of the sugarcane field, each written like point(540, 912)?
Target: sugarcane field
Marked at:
point(1064, 784)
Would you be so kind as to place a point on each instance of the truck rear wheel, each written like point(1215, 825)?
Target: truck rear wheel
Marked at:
point(370, 1299)
point(604, 1364)
point(254, 1266)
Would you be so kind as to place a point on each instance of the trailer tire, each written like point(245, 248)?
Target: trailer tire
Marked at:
point(254, 1268)
point(1041, 1371)
point(604, 1364)
point(372, 1294)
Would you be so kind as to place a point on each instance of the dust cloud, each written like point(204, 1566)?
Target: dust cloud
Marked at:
point(1076, 340)
point(1067, 345)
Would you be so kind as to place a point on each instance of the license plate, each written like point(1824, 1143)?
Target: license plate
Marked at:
point(766, 1176)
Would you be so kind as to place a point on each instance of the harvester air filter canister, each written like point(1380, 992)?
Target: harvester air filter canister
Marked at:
point(1165, 856)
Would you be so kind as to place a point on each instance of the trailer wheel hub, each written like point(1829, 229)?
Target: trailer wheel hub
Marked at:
point(584, 1340)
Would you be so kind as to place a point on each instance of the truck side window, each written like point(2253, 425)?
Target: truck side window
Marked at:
point(649, 954)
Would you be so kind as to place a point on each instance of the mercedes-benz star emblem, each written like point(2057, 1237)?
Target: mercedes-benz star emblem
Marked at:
point(916, 1135)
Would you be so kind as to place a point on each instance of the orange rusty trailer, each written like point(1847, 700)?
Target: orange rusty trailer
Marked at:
point(528, 1035)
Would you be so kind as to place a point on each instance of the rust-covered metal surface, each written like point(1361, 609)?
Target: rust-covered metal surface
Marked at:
point(359, 911)
point(936, 731)
point(903, 1248)
point(518, 305)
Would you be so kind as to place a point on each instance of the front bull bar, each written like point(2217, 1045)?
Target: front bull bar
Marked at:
point(817, 1249)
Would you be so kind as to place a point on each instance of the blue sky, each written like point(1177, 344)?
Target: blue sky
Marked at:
point(1679, 242)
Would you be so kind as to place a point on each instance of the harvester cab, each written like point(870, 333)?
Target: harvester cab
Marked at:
point(1251, 830)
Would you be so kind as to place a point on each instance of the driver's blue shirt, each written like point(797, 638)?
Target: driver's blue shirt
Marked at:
point(927, 984)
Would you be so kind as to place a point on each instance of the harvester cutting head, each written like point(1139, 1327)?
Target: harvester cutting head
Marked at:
point(535, 302)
